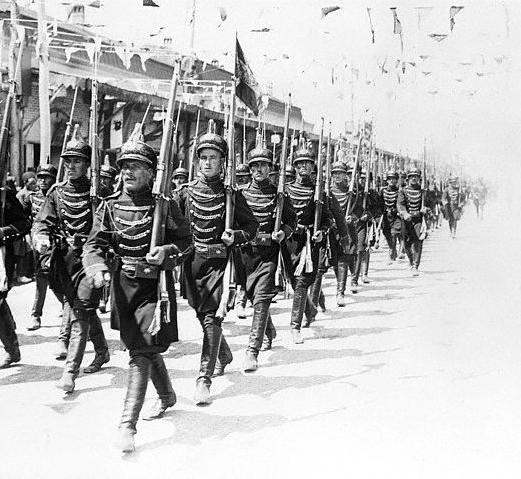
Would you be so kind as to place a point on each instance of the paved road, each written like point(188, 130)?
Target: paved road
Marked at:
point(416, 377)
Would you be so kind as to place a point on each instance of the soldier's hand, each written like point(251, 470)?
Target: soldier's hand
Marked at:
point(228, 237)
point(424, 210)
point(406, 216)
point(42, 245)
point(349, 219)
point(100, 279)
point(156, 256)
point(278, 236)
point(318, 236)
point(364, 217)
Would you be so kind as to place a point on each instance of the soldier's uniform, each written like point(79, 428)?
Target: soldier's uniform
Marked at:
point(179, 177)
point(301, 254)
point(14, 224)
point(203, 202)
point(41, 261)
point(119, 241)
point(108, 177)
point(261, 256)
point(374, 211)
point(412, 210)
point(391, 222)
point(453, 202)
point(64, 221)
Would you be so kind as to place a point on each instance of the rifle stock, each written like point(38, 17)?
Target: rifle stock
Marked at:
point(319, 188)
point(353, 177)
point(61, 168)
point(94, 141)
point(282, 169)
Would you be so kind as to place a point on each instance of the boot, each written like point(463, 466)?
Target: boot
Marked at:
point(224, 358)
point(202, 392)
point(269, 335)
point(300, 301)
point(100, 345)
point(240, 304)
point(258, 326)
point(365, 279)
point(341, 277)
point(340, 300)
point(316, 288)
point(354, 286)
point(296, 335)
point(211, 343)
point(250, 362)
point(61, 351)
point(165, 391)
point(65, 333)
point(35, 323)
point(8, 336)
point(310, 312)
point(138, 374)
point(322, 301)
point(77, 343)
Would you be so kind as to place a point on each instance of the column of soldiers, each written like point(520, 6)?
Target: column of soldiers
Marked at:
point(83, 249)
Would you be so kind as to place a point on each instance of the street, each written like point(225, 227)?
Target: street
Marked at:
point(415, 377)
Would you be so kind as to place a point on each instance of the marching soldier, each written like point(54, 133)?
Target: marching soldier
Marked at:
point(260, 257)
point(373, 208)
point(343, 249)
point(46, 175)
point(14, 224)
point(301, 251)
point(179, 178)
point(243, 175)
point(64, 221)
point(391, 222)
point(203, 201)
point(118, 248)
point(274, 175)
point(107, 177)
point(479, 196)
point(412, 207)
point(453, 202)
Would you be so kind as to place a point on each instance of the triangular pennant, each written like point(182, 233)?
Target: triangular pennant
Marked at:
point(453, 11)
point(327, 10)
point(439, 37)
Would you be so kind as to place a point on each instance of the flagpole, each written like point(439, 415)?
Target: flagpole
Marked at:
point(192, 21)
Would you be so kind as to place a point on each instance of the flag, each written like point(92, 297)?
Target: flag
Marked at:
point(370, 24)
point(95, 4)
point(261, 30)
point(150, 3)
point(397, 28)
point(439, 37)
point(327, 10)
point(223, 14)
point(246, 86)
point(453, 11)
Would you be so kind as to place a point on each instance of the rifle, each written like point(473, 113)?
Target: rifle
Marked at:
point(191, 162)
point(161, 191)
point(282, 170)
point(328, 190)
point(229, 286)
point(319, 188)
point(353, 177)
point(94, 139)
point(61, 169)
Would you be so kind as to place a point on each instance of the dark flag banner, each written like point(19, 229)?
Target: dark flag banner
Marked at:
point(150, 3)
point(453, 11)
point(246, 87)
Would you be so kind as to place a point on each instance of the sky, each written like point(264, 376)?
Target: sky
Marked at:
point(459, 97)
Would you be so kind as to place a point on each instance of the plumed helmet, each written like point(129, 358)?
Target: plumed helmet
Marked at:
point(290, 172)
point(212, 140)
point(242, 170)
point(107, 170)
point(392, 174)
point(77, 147)
point(303, 153)
point(180, 172)
point(339, 167)
point(47, 170)
point(414, 172)
point(136, 149)
point(260, 152)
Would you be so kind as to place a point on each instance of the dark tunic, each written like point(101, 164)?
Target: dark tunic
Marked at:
point(121, 238)
point(453, 201)
point(391, 223)
point(260, 257)
point(203, 203)
point(410, 199)
point(341, 195)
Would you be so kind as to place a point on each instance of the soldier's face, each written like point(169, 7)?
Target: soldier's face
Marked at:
point(76, 167)
point(179, 180)
point(304, 169)
point(45, 182)
point(414, 180)
point(136, 175)
point(392, 181)
point(339, 177)
point(210, 161)
point(260, 171)
point(31, 184)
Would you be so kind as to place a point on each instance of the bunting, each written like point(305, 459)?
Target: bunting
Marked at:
point(371, 24)
point(327, 10)
point(453, 11)
point(397, 26)
point(439, 37)
point(247, 86)
point(150, 3)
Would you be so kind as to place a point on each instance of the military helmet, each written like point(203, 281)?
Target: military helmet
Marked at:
point(136, 149)
point(414, 172)
point(180, 172)
point(339, 167)
point(77, 147)
point(453, 180)
point(242, 170)
point(47, 170)
point(260, 152)
point(304, 153)
point(212, 140)
point(107, 170)
point(392, 174)
point(290, 172)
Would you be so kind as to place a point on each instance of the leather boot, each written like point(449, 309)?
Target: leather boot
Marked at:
point(250, 361)
point(8, 336)
point(64, 334)
point(322, 301)
point(99, 342)
point(77, 343)
point(299, 305)
point(211, 343)
point(269, 335)
point(296, 336)
point(138, 374)
point(310, 311)
point(202, 392)
point(341, 279)
point(224, 358)
point(163, 385)
point(35, 323)
point(240, 304)
point(259, 325)
point(316, 288)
